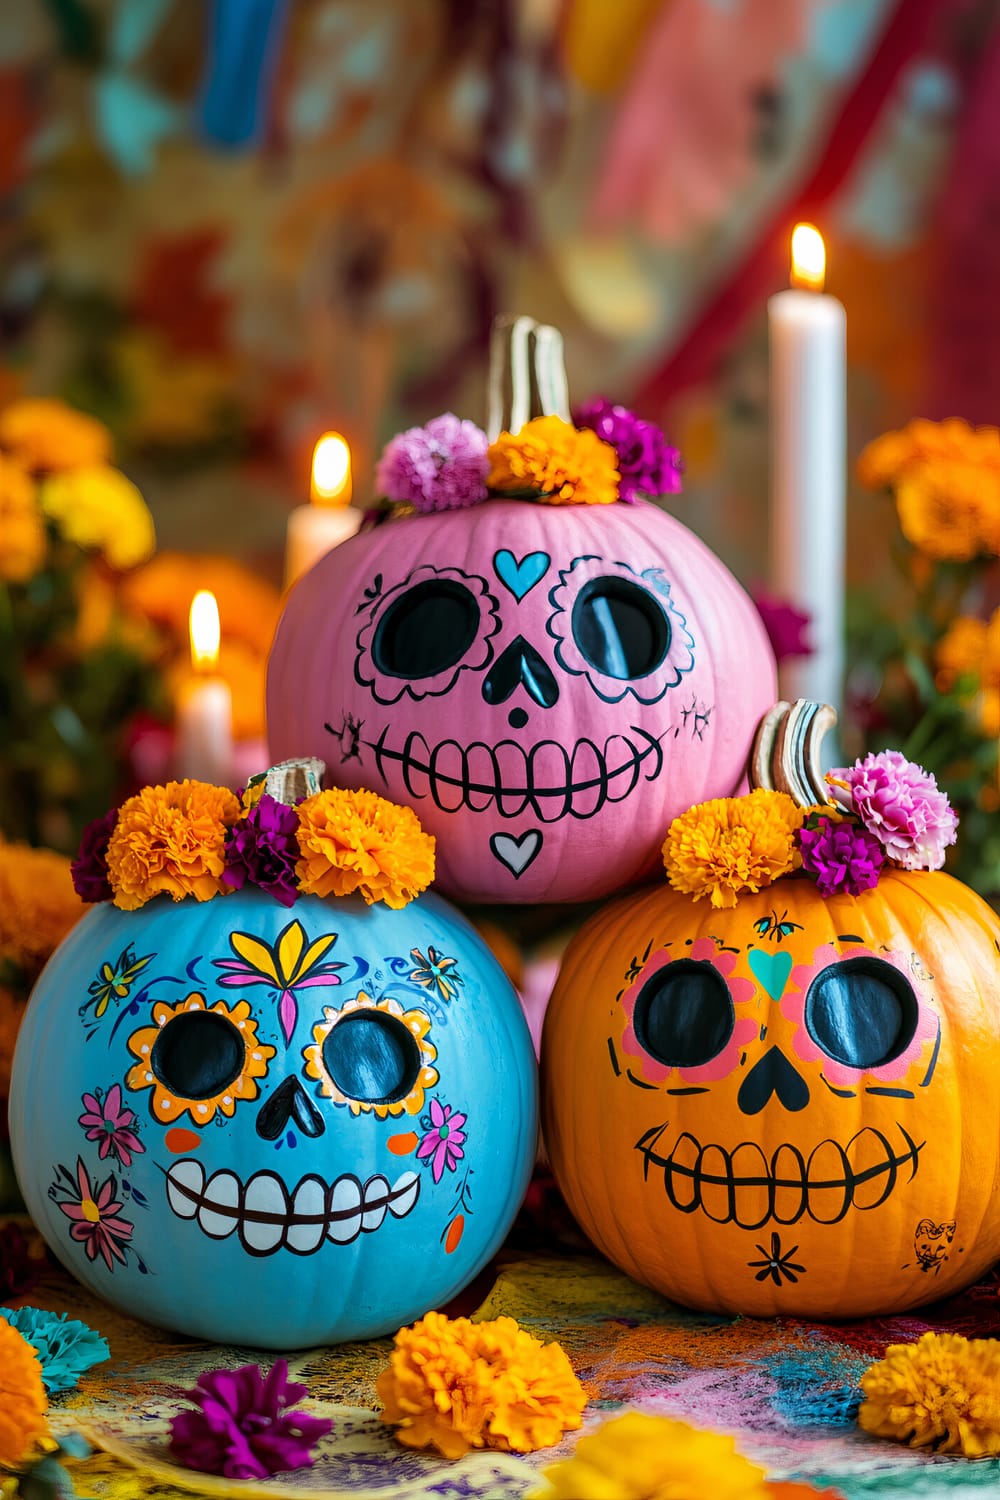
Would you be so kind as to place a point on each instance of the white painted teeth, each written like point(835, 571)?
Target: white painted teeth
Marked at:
point(308, 1217)
point(345, 1211)
point(404, 1194)
point(265, 1213)
point(217, 1212)
point(270, 1217)
point(185, 1181)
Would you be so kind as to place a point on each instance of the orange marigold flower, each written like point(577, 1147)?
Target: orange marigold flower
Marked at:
point(895, 456)
point(47, 436)
point(639, 1457)
point(960, 651)
point(950, 510)
point(23, 1402)
point(171, 839)
point(453, 1385)
point(556, 462)
point(941, 1392)
point(22, 530)
point(357, 841)
point(38, 906)
point(733, 844)
point(98, 508)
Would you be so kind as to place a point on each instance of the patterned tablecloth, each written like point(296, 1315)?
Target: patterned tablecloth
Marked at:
point(787, 1390)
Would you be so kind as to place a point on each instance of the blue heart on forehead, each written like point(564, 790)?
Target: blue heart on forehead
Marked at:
point(771, 970)
point(520, 577)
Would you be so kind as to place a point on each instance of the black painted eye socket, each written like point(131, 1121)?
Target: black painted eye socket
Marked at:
point(371, 1057)
point(198, 1054)
point(684, 1014)
point(620, 629)
point(862, 1012)
point(426, 630)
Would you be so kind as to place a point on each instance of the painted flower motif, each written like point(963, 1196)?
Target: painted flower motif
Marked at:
point(702, 950)
point(432, 973)
point(417, 1023)
point(115, 981)
point(106, 1121)
point(441, 1147)
point(288, 964)
point(94, 1214)
point(840, 1074)
point(168, 1107)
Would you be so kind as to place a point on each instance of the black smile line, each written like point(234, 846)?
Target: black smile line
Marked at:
point(600, 782)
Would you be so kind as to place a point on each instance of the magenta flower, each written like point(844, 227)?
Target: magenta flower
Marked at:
point(261, 850)
point(901, 804)
point(442, 466)
point(90, 868)
point(95, 1217)
point(787, 627)
point(107, 1122)
point(647, 463)
point(841, 857)
point(243, 1429)
point(442, 1145)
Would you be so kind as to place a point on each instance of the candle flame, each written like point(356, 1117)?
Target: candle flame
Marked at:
point(808, 257)
point(331, 471)
point(206, 631)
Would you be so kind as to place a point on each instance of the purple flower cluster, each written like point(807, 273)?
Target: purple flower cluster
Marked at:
point(647, 463)
point(840, 857)
point(442, 466)
point(243, 1429)
point(902, 806)
point(90, 868)
point(261, 850)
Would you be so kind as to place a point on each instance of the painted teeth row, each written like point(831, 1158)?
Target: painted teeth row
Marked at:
point(548, 779)
point(268, 1217)
point(744, 1187)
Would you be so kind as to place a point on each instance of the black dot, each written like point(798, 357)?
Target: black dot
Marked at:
point(517, 718)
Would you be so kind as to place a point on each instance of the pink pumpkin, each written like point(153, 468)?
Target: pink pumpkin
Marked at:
point(548, 685)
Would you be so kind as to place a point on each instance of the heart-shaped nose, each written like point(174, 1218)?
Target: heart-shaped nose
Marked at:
point(773, 1074)
point(521, 664)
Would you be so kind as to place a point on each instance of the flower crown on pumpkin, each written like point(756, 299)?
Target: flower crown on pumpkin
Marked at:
point(839, 830)
point(609, 454)
point(283, 835)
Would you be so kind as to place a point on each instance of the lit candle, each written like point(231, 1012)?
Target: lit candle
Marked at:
point(807, 333)
point(313, 530)
point(205, 710)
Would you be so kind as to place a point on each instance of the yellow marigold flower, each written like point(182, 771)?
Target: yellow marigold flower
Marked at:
point(950, 510)
point(561, 464)
point(961, 651)
point(636, 1457)
point(357, 841)
point(453, 1385)
point(941, 1392)
point(38, 906)
point(733, 844)
point(883, 461)
point(48, 436)
point(894, 456)
point(97, 507)
point(171, 839)
point(22, 531)
point(23, 1402)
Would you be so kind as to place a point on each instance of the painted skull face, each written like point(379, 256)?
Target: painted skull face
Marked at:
point(778, 1095)
point(338, 1095)
point(546, 689)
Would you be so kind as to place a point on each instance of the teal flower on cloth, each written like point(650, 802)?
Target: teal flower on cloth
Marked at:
point(66, 1349)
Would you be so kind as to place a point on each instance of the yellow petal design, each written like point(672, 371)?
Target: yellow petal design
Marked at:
point(290, 945)
point(315, 952)
point(256, 954)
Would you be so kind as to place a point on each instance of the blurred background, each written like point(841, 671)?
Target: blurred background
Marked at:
point(228, 227)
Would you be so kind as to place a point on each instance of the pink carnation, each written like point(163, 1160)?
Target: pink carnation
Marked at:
point(901, 804)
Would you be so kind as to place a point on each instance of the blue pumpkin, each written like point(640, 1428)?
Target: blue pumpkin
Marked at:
point(274, 1127)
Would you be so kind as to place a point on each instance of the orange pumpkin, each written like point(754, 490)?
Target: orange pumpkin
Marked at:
point(785, 1107)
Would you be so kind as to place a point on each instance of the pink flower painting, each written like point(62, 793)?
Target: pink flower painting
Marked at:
point(107, 1122)
point(442, 1145)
